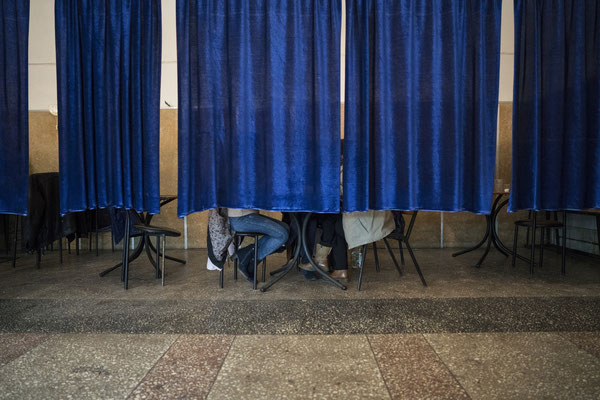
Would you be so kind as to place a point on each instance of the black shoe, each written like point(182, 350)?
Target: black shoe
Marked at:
point(309, 275)
point(247, 268)
point(243, 269)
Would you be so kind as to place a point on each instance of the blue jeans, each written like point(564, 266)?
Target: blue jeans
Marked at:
point(275, 233)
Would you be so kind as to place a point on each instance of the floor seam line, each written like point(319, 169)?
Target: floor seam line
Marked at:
point(153, 365)
point(221, 366)
point(48, 336)
point(564, 335)
point(446, 366)
point(379, 367)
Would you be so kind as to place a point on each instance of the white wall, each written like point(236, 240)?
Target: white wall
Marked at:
point(507, 51)
point(42, 54)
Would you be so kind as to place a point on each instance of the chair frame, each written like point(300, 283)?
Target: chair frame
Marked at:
point(404, 239)
point(533, 225)
point(254, 235)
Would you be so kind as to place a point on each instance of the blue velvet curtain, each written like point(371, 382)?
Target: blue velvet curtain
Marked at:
point(556, 106)
point(421, 104)
point(108, 55)
point(259, 106)
point(14, 118)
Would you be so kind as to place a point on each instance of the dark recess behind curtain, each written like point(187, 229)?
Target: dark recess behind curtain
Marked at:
point(14, 117)
point(108, 55)
point(259, 109)
point(421, 104)
point(556, 106)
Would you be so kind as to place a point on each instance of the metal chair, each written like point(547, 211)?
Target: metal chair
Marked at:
point(533, 224)
point(237, 241)
point(397, 234)
point(161, 234)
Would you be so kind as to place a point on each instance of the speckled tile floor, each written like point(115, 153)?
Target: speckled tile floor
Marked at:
point(493, 332)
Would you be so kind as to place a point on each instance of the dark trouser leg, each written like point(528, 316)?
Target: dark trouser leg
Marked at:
point(339, 250)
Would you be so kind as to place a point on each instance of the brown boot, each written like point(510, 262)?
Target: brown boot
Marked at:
point(340, 274)
point(321, 253)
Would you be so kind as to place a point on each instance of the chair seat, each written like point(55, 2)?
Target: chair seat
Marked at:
point(157, 230)
point(248, 234)
point(539, 224)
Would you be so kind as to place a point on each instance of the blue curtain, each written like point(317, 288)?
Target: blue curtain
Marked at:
point(108, 55)
point(14, 118)
point(556, 106)
point(421, 104)
point(259, 105)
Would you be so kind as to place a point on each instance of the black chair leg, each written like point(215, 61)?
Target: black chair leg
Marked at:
point(563, 268)
point(387, 244)
point(14, 260)
point(556, 236)
point(361, 267)
point(542, 232)
point(515, 243)
point(90, 234)
point(112, 241)
point(163, 243)
point(414, 260)
point(376, 256)
point(528, 230)
point(157, 256)
point(264, 270)
point(125, 265)
point(533, 229)
point(401, 251)
point(254, 278)
point(597, 229)
point(221, 278)
point(235, 262)
point(96, 229)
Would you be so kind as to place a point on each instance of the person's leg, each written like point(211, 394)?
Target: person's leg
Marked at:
point(328, 225)
point(327, 240)
point(339, 246)
point(275, 232)
point(339, 253)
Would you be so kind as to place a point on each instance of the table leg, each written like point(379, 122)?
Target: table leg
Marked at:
point(489, 241)
point(487, 232)
point(495, 238)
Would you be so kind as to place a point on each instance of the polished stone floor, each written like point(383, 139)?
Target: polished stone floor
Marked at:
point(494, 332)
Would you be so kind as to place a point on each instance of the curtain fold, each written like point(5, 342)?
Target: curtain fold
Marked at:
point(14, 117)
point(421, 104)
point(259, 109)
point(108, 55)
point(556, 106)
